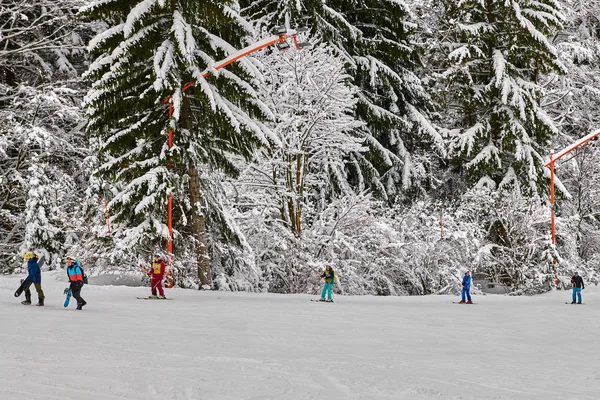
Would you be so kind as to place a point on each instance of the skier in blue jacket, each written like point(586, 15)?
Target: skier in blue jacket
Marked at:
point(466, 287)
point(34, 277)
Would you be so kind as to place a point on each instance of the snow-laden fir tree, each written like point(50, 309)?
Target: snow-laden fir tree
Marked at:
point(497, 53)
point(149, 51)
point(375, 38)
point(41, 142)
point(313, 132)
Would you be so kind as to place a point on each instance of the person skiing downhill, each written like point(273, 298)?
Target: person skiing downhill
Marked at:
point(466, 287)
point(328, 276)
point(34, 277)
point(76, 279)
point(157, 273)
point(578, 286)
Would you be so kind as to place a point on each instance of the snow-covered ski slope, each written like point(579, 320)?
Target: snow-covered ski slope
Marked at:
point(230, 346)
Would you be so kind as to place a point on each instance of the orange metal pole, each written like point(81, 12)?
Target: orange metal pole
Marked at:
point(228, 61)
point(556, 280)
point(556, 157)
point(552, 199)
point(170, 213)
point(170, 201)
point(550, 164)
point(170, 242)
point(170, 223)
point(243, 53)
point(170, 130)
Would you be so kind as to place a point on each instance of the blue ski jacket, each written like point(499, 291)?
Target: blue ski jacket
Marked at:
point(35, 274)
point(75, 272)
point(467, 282)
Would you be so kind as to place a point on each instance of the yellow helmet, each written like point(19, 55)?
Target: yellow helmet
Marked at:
point(30, 255)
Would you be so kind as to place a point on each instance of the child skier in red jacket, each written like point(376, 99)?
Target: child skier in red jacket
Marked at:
point(157, 273)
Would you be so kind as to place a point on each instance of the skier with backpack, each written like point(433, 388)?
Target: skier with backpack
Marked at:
point(34, 277)
point(76, 278)
point(328, 276)
point(466, 287)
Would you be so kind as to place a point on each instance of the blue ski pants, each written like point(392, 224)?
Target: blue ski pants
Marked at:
point(465, 292)
point(327, 289)
point(577, 293)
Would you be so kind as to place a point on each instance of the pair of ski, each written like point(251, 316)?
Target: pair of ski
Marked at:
point(153, 298)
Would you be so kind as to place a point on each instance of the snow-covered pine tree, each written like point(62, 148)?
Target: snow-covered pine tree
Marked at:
point(374, 37)
point(149, 51)
point(41, 142)
point(498, 51)
point(313, 131)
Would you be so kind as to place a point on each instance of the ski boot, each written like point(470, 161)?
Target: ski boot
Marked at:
point(329, 300)
point(461, 302)
point(573, 302)
point(153, 297)
point(469, 302)
point(162, 297)
point(322, 299)
point(40, 302)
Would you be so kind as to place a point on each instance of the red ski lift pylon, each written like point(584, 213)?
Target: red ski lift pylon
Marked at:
point(553, 158)
point(281, 35)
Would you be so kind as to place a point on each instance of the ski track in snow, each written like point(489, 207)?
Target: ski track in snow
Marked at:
point(242, 346)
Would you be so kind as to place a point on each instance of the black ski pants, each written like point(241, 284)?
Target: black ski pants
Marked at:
point(76, 291)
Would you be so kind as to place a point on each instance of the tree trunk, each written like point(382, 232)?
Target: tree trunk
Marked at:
point(198, 224)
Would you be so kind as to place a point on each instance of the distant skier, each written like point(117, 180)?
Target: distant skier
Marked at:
point(328, 276)
point(157, 273)
point(466, 287)
point(34, 277)
point(76, 278)
point(578, 285)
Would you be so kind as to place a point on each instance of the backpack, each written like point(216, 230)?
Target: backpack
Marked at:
point(85, 278)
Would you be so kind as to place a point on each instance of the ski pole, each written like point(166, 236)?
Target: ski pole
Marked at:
point(144, 269)
point(457, 278)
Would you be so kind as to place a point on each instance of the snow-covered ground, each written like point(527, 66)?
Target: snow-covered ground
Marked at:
point(230, 346)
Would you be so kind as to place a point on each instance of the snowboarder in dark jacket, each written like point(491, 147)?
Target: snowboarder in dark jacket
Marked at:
point(34, 277)
point(466, 287)
point(578, 286)
point(76, 279)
